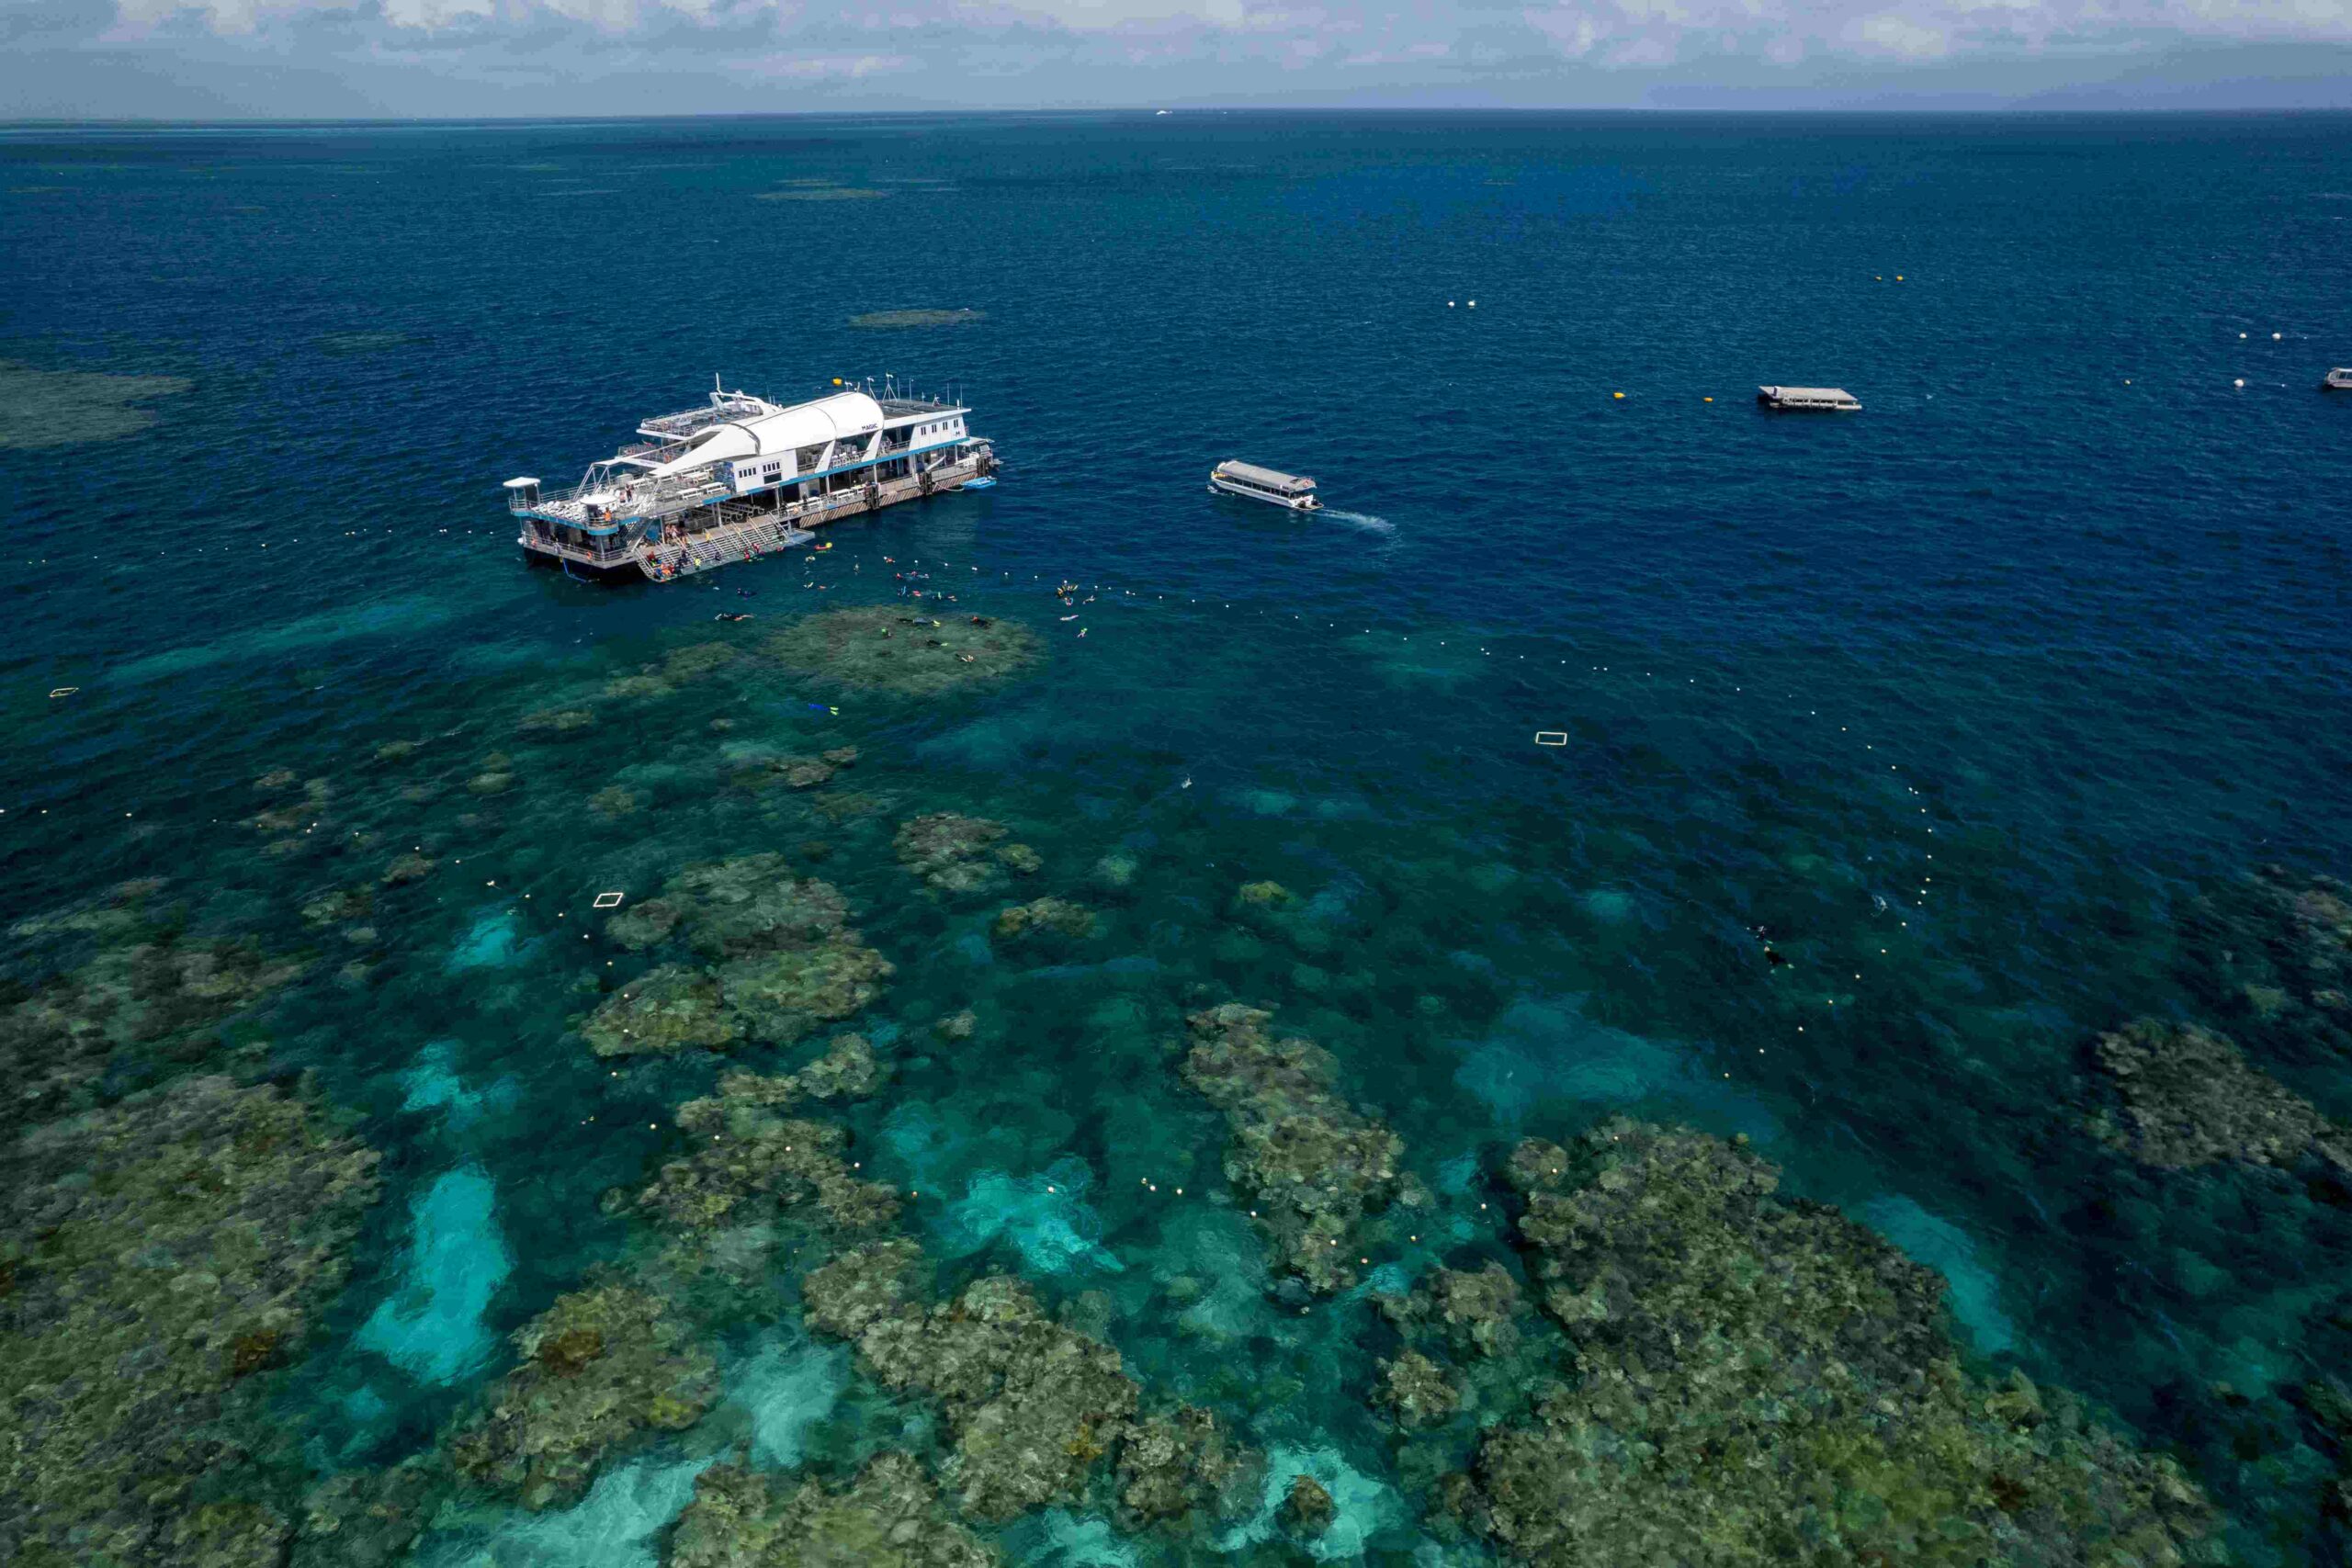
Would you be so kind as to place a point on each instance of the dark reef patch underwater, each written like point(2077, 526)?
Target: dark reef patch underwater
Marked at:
point(1113, 1045)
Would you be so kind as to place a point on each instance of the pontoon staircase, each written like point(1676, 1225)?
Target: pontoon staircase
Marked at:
point(741, 542)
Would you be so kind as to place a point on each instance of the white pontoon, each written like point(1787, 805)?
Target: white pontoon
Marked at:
point(743, 477)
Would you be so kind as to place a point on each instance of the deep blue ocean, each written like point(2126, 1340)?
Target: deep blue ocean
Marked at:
point(1977, 709)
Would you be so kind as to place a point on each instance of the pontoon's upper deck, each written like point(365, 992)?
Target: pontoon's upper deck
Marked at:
point(1271, 479)
point(722, 407)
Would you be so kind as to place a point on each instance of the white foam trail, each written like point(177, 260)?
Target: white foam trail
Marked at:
point(1359, 520)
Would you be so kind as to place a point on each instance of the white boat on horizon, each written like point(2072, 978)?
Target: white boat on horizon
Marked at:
point(1293, 491)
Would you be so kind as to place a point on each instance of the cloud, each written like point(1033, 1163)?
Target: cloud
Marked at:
point(1895, 34)
point(1681, 28)
point(820, 67)
point(1650, 33)
point(441, 56)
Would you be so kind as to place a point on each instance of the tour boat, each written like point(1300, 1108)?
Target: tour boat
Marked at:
point(1293, 491)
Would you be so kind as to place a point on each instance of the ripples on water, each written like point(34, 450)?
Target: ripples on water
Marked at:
point(1976, 709)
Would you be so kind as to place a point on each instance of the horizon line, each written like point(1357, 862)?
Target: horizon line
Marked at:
point(2022, 110)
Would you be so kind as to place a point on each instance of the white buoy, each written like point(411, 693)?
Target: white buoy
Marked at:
point(2274, 336)
point(1473, 304)
point(2240, 336)
point(1449, 305)
point(2238, 382)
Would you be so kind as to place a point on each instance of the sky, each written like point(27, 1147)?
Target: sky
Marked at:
point(343, 59)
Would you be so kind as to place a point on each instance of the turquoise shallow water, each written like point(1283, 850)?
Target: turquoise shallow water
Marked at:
point(1961, 706)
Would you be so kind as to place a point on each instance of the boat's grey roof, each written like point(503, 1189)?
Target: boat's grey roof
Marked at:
point(1808, 392)
point(1263, 476)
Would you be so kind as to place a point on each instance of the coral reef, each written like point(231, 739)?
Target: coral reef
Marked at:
point(864, 1285)
point(497, 775)
point(750, 904)
point(557, 721)
point(669, 1008)
point(782, 996)
point(599, 1365)
point(959, 855)
point(1477, 1312)
point(161, 1001)
point(64, 408)
point(889, 1516)
point(1308, 1509)
point(339, 904)
point(846, 1071)
point(797, 773)
point(1042, 916)
point(1418, 1389)
point(289, 816)
point(1756, 1380)
point(1312, 1165)
point(793, 772)
point(791, 961)
point(2328, 1403)
point(613, 801)
point(743, 1151)
point(647, 923)
point(885, 647)
point(2190, 1099)
point(122, 910)
point(159, 1257)
point(1171, 1464)
point(747, 1153)
point(1032, 1405)
point(2271, 953)
point(367, 1519)
point(679, 667)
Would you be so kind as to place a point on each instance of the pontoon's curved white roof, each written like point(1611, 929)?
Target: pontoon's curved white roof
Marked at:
point(804, 424)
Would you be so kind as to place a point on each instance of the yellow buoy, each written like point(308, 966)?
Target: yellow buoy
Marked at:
point(1616, 394)
point(1707, 400)
point(836, 380)
point(1898, 277)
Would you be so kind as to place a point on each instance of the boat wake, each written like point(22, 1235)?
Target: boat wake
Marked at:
point(1358, 520)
